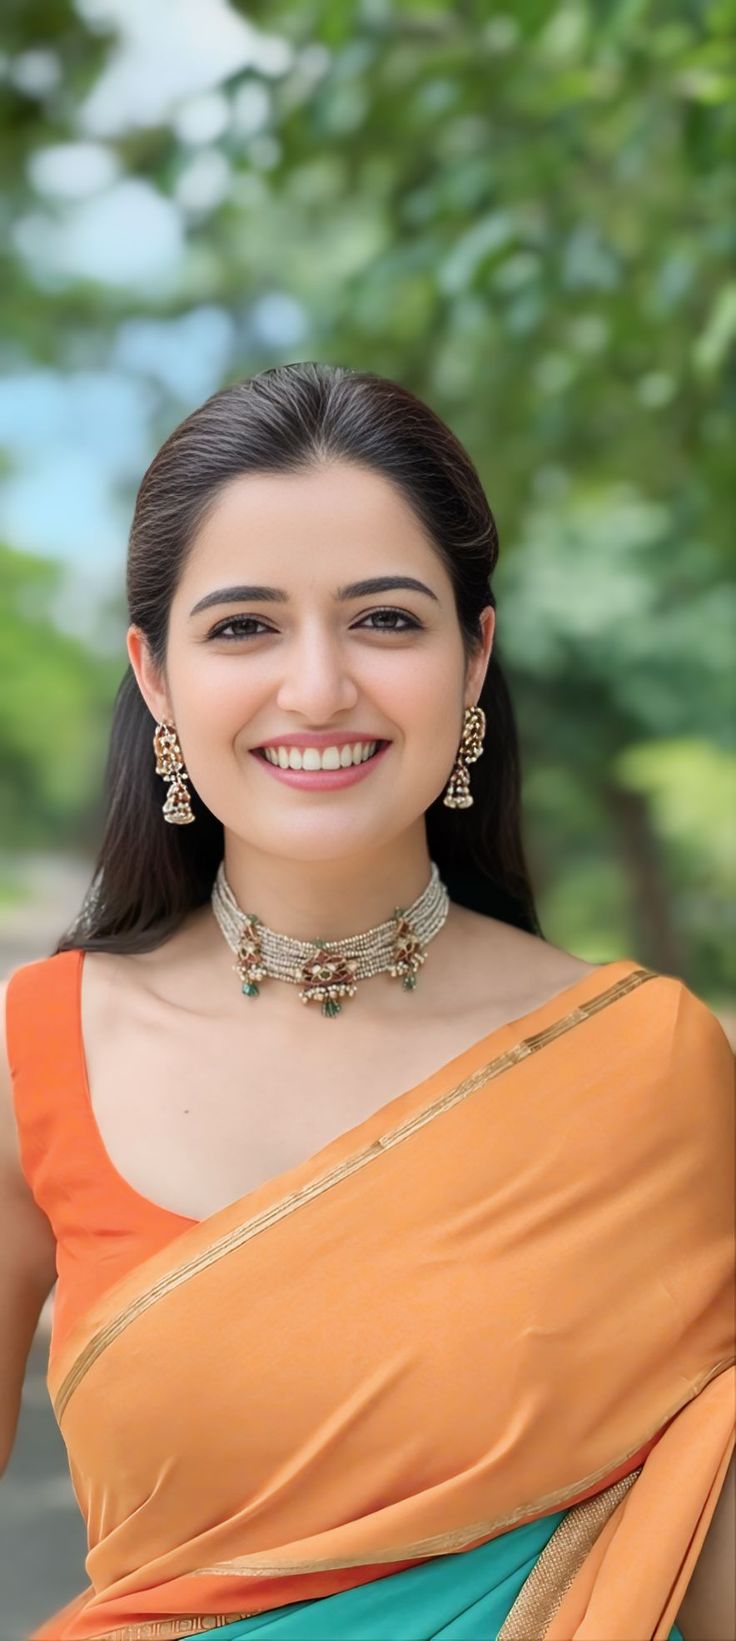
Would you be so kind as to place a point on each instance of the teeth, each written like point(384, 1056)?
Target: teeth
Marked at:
point(331, 757)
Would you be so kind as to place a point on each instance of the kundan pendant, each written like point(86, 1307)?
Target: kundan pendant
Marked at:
point(408, 953)
point(250, 964)
point(326, 977)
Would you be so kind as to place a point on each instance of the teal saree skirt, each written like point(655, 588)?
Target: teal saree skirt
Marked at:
point(461, 1597)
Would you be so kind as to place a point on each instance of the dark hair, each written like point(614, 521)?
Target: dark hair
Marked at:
point(148, 874)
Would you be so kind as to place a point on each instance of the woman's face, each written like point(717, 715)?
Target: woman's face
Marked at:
point(247, 667)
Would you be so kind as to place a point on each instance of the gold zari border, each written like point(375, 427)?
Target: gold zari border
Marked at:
point(559, 1563)
point(563, 1555)
point(527, 1046)
point(173, 1629)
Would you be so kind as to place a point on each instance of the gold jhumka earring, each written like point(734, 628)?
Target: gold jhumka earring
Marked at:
point(170, 763)
point(457, 793)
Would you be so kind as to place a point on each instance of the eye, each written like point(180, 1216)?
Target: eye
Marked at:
point(410, 621)
point(242, 622)
point(237, 621)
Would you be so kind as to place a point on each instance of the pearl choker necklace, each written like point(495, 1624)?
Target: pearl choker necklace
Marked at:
point(328, 970)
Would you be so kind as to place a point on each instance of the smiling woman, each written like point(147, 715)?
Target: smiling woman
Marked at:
point(416, 1325)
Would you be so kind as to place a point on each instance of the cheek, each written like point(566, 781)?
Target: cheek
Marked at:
point(216, 698)
point(428, 717)
point(430, 708)
point(213, 702)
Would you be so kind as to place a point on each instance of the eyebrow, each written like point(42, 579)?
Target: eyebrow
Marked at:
point(276, 595)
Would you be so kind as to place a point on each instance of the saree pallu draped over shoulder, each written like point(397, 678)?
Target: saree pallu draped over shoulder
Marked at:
point(489, 1331)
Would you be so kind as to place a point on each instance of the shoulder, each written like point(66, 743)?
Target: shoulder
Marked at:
point(34, 989)
point(695, 1021)
point(524, 968)
point(671, 1029)
point(698, 1071)
point(27, 996)
point(689, 1033)
point(523, 960)
point(29, 977)
point(664, 1088)
point(660, 1034)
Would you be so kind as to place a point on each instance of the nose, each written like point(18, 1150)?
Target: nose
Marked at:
point(316, 685)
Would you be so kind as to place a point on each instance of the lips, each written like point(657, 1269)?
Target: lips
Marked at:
point(320, 740)
point(364, 741)
point(321, 780)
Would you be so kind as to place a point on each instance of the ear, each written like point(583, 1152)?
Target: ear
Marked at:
point(150, 680)
point(479, 663)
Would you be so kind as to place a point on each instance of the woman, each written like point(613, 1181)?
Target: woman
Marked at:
point(394, 1243)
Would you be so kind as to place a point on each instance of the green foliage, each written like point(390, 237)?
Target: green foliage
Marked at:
point(52, 711)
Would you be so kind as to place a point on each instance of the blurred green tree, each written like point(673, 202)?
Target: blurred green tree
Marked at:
point(53, 712)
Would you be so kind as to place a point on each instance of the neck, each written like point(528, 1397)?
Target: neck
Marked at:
point(327, 899)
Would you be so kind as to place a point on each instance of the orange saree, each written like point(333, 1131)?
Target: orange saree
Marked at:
point(507, 1291)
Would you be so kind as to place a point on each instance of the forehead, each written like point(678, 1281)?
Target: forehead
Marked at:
point(334, 511)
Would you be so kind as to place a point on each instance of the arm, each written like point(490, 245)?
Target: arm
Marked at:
point(27, 1261)
point(708, 1611)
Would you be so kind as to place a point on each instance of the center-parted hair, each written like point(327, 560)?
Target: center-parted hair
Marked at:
point(148, 876)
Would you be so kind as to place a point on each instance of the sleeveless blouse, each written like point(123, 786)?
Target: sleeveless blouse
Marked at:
point(103, 1227)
